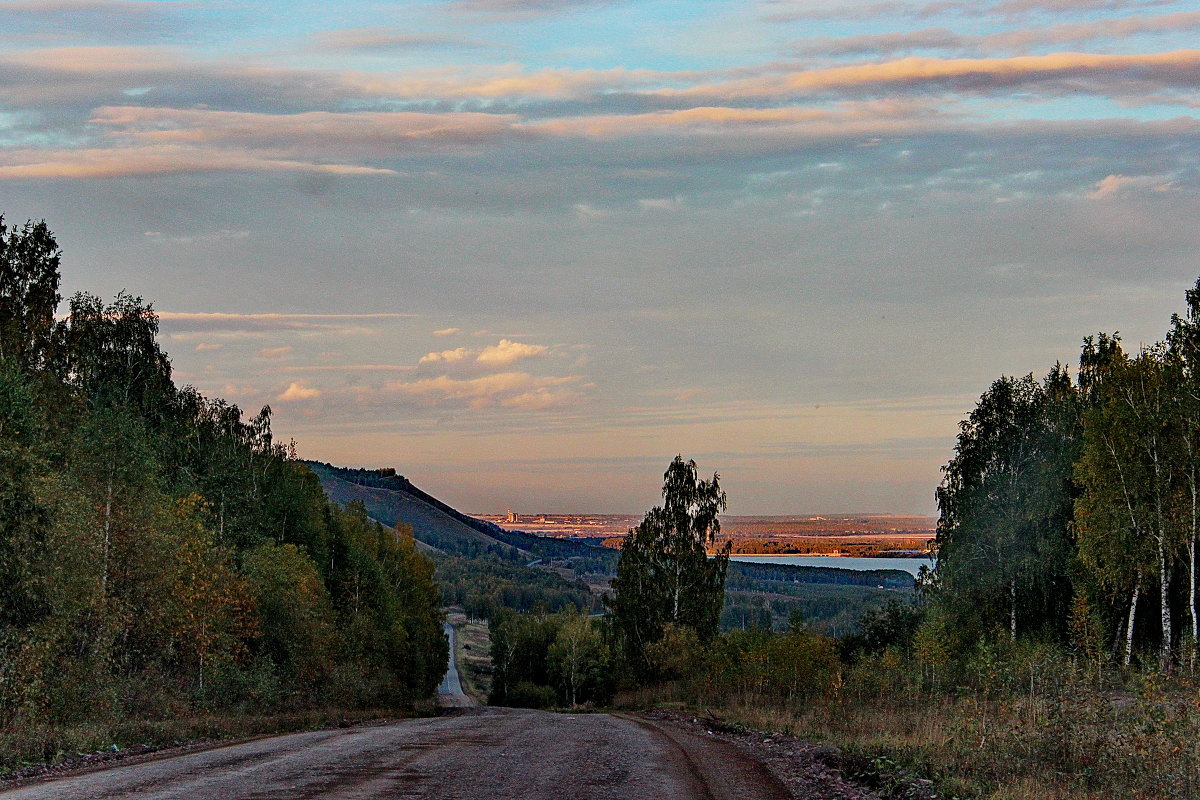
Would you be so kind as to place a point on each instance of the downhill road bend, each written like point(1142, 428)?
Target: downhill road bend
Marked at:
point(474, 754)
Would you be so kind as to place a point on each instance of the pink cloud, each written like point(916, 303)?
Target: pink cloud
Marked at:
point(296, 392)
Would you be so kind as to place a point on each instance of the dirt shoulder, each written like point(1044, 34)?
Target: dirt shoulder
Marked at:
point(809, 771)
point(232, 731)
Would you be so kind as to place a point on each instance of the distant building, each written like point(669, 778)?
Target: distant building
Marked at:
point(511, 516)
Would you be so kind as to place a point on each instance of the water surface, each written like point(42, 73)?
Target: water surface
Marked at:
point(910, 565)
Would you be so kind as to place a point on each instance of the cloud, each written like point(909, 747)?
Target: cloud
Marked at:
point(205, 347)
point(507, 352)
point(352, 368)
point(447, 356)
point(526, 8)
point(154, 161)
point(373, 133)
point(795, 10)
point(100, 18)
point(1177, 68)
point(884, 44)
point(296, 392)
point(210, 322)
point(100, 75)
point(661, 203)
point(497, 356)
point(447, 332)
point(225, 234)
point(274, 352)
point(1115, 185)
point(166, 141)
point(518, 390)
point(386, 39)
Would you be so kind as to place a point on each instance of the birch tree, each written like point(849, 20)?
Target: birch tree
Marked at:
point(1005, 504)
point(1124, 516)
point(665, 575)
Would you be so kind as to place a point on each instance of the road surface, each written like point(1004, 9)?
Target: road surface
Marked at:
point(450, 693)
point(475, 754)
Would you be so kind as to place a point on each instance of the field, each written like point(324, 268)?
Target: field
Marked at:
point(828, 534)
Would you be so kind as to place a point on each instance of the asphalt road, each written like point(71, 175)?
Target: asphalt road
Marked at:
point(475, 754)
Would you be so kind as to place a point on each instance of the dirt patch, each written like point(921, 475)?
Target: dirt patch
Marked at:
point(809, 771)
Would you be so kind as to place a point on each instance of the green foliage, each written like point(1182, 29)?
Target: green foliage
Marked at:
point(159, 554)
point(484, 585)
point(297, 627)
point(892, 627)
point(29, 280)
point(1068, 511)
point(665, 576)
point(578, 660)
point(1003, 542)
point(540, 660)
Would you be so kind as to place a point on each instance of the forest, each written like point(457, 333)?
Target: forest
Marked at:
point(1051, 653)
point(162, 556)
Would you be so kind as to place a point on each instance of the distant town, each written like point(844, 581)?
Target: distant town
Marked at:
point(831, 534)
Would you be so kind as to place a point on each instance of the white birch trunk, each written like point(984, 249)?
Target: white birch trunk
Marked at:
point(1137, 590)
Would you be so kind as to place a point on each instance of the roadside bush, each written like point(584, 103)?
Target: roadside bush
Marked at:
point(784, 667)
point(529, 695)
point(676, 654)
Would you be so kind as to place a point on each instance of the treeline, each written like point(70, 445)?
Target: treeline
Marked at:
point(484, 586)
point(1071, 508)
point(755, 576)
point(160, 554)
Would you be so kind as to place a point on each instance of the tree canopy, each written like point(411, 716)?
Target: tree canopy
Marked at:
point(665, 577)
point(159, 551)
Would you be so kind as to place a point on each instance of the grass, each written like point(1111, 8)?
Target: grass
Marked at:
point(1070, 741)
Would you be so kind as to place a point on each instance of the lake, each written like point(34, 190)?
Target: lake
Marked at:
point(910, 565)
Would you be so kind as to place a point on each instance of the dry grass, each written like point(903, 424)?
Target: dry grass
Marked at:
point(1024, 748)
point(1074, 743)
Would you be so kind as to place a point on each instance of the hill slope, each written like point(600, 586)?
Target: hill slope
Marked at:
point(389, 497)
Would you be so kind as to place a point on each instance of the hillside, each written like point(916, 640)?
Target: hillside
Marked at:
point(479, 566)
point(389, 497)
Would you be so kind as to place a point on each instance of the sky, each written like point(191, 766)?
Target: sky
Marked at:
point(527, 251)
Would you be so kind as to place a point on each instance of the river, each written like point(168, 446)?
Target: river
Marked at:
point(910, 565)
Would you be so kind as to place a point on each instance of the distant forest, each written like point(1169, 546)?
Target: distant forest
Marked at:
point(163, 555)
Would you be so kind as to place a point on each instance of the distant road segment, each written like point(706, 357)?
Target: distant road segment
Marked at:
point(450, 693)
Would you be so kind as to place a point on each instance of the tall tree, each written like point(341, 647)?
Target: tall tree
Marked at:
point(665, 576)
point(1127, 529)
point(1184, 342)
point(29, 259)
point(1003, 542)
point(112, 358)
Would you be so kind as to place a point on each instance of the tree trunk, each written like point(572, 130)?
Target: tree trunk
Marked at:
point(1164, 575)
point(1164, 583)
point(1137, 589)
point(1012, 608)
point(1192, 596)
